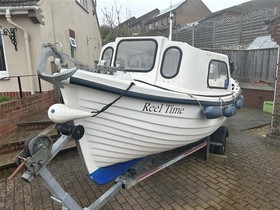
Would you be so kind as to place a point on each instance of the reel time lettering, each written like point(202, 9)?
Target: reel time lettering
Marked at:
point(162, 108)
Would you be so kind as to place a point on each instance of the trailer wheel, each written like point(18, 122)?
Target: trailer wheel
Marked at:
point(37, 142)
point(218, 141)
point(26, 143)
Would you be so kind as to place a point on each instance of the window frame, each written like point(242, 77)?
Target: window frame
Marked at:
point(138, 40)
point(179, 62)
point(105, 51)
point(156, 24)
point(4, 73)
point(73, 42)
point(73, 47)
point(82, 3)
point(214, 87)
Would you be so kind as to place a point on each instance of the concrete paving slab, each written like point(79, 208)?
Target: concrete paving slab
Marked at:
point(248, 118)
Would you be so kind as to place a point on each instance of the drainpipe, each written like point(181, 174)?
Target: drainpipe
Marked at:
point(27, 49)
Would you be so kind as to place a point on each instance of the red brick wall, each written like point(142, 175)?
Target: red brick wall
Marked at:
point(13, 111)
point(257, 97)
point(274, 30)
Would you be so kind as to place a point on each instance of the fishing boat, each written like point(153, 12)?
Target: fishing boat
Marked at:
point(146, 96)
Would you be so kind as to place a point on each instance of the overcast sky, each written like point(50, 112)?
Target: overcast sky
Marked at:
point(138, 8)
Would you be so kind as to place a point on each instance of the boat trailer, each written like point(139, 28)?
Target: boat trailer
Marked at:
point(39, 150)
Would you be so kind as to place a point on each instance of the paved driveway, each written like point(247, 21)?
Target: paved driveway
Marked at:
point(248, 179)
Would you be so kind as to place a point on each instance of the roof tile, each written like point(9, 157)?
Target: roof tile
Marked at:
point(17, 3)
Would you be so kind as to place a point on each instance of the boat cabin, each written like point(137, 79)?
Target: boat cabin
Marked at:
point(169, 64)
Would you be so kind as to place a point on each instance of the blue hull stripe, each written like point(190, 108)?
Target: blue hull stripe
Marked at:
point(118, 91)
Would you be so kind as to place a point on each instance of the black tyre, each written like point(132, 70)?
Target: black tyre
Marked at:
point(26, 143)
point(218, 141)
point(35, 144)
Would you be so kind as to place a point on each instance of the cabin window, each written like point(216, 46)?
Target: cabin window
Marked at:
point(107, 56)
point(171, 62)
point(218, 75)
point(3, 67)
point(136, 55)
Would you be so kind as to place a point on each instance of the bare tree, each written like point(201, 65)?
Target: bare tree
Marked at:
point(112, 26)
point(128, 14)
point(112, 18)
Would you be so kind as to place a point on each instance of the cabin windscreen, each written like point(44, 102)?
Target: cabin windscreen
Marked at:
point(107, 56)
point(136, 55)
point(218, 75)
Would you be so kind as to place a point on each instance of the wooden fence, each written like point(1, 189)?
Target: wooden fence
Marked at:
point(253, 65)
point(228, 31)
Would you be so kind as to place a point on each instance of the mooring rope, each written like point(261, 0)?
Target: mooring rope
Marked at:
point(110, 104)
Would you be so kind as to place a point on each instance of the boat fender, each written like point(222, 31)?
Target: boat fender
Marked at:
point(240, 102)
point(61, 113)
point(212, 112)
point(230, 111)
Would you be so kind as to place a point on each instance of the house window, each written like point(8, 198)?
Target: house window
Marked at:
point(171, 62)
point(73, 46)
point(107, 56)
point(218, 75)
point(83, 3)
point(156, 24)
point(3, 67)
point(136, 55)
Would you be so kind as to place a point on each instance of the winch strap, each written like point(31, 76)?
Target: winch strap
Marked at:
point(110, 104)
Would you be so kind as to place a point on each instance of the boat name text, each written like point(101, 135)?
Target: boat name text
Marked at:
point(163, 108)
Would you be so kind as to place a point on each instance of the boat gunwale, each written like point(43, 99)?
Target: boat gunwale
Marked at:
point(114, 90)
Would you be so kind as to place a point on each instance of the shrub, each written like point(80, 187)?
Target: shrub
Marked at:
point(4, 98)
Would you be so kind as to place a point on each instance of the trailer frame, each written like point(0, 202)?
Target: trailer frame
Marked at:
point(36, 167)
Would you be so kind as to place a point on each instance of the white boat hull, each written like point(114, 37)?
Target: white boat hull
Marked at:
point(133, 128)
